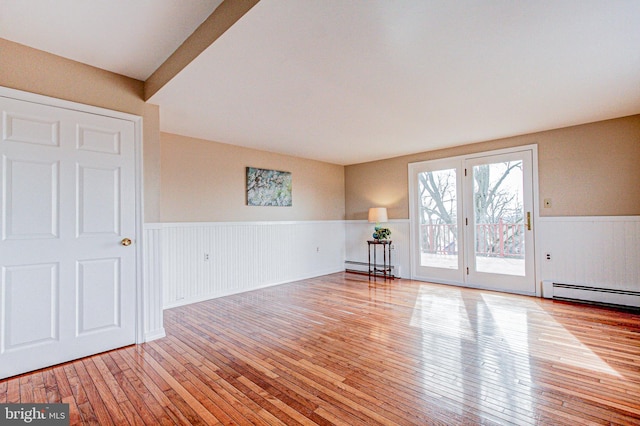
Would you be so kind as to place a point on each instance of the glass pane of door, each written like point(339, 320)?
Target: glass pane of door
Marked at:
point(438, 215)
point(436, 210)
point(499, 218)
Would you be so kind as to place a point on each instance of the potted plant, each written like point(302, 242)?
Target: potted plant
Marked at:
point(381, 233)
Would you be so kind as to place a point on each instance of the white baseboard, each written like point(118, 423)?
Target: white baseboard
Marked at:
point(155, 334)
point(598, 295)
point(205, 297)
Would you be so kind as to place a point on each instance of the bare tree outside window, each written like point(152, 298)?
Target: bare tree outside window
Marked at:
point(497, 207)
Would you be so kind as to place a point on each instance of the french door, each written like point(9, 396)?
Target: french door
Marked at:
point(472, 221)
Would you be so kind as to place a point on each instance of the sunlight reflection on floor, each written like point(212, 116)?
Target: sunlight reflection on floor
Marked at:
point(570, 351)
point(444, 312)
point(453, 328)
point(447, 310)
point(493, 337)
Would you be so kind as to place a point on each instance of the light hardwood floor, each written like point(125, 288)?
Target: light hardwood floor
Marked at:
point(342, 350)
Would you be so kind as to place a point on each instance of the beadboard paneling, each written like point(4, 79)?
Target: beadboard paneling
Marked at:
point(152, 283)
point(602, 252)
point(359, 231)
point(244, 256)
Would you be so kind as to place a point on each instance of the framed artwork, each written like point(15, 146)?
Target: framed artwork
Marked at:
point(268, 187)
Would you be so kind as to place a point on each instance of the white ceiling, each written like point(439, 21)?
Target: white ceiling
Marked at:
point(129, 37)
point(348, 81)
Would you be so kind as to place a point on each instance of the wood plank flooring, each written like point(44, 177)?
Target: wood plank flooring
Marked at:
point(340, 350)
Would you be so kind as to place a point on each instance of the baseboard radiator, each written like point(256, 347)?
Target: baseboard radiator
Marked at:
point(363, 267)
point(596, 295)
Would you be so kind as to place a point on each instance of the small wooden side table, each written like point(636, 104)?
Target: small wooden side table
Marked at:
point(385, 271)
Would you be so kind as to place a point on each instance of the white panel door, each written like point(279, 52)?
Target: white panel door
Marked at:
point(68, 285)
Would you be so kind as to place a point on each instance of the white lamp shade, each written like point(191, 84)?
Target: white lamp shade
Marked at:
point(378, 214)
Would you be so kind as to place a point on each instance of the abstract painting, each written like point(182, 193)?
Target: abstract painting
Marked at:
point(268, 187)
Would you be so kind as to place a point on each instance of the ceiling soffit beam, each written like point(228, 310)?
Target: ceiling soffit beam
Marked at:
point(225, 15)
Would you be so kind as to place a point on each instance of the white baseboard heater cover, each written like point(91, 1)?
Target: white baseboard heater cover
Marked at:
point(607, 296)
point(363, 267)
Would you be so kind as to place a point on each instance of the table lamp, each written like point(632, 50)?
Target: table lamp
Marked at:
point(377, 215)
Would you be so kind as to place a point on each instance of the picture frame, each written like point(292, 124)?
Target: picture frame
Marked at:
point(266, 187)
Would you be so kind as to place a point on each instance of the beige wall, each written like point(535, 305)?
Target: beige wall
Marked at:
point(587, 170)
point(318, 189)
point(204, 181)
point(35, 71)
point(151, 163)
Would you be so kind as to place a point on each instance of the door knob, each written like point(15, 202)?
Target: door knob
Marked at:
point(126, 242)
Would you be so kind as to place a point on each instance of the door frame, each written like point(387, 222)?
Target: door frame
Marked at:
point(461, 158)
point(20, 95)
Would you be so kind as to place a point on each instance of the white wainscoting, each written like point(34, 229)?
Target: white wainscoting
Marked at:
point(598, 252)
point(152, 283)
point(202, 261)
point(602, 253)
point(359, 231)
